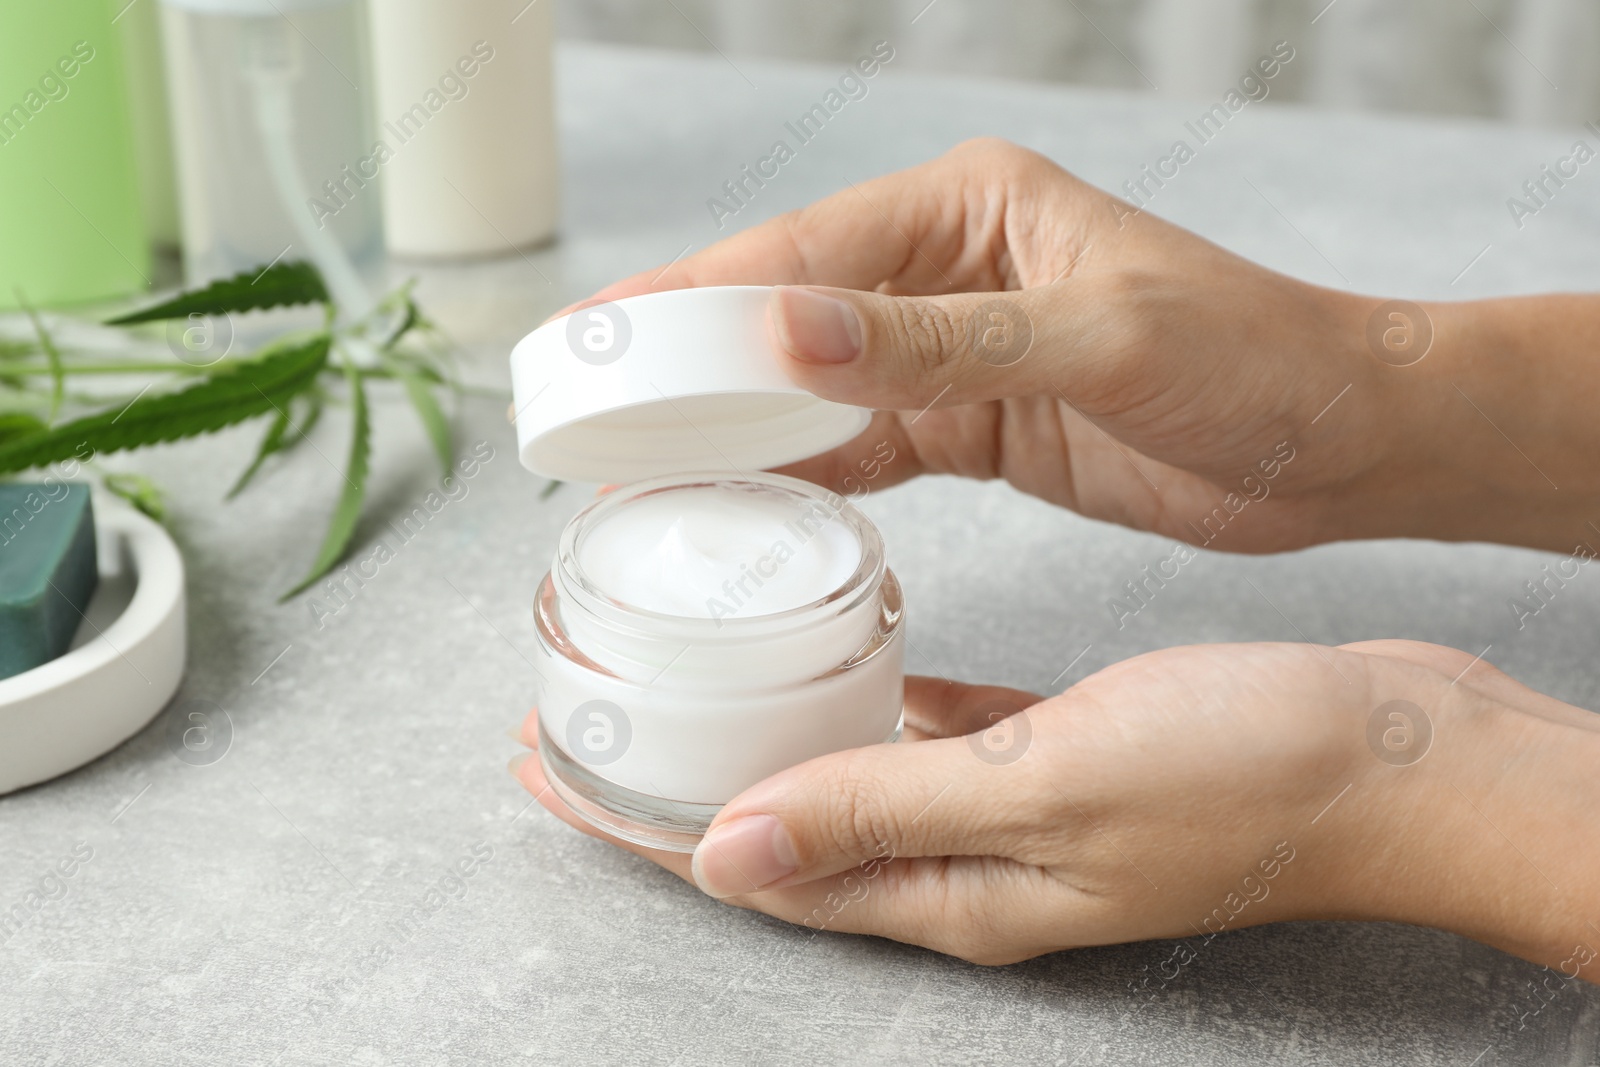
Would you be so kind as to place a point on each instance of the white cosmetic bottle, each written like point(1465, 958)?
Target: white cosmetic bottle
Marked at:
point(466, 106)
point(707, 625)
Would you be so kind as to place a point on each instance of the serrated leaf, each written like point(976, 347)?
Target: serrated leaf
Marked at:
point(14, 349)
point(428, 411)
point(139, 491)
point(271, 443)
point(314, 406)
point(342, 525)
point(417, 366)
point(18, 424)
point(241, 391)
point(282, 435)
point(279, 285)
point(408, 321)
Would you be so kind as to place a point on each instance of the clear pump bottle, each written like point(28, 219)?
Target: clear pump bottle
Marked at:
point(272, 125)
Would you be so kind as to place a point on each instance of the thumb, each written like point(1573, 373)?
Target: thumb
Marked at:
point(904, 352)
point(924, 798)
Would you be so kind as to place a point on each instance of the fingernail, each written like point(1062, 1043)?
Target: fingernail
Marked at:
point(743, 856)
point(814, 327)
point(515, 733)
point(515, 766)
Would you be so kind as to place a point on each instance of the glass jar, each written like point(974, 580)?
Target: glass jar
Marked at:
point(651, 720)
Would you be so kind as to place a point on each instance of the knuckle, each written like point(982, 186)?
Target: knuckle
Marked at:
point(975, 927)
point(1132, 299)
point(1119, 343)
point(976, 940)
point(997, 153)
point(987, 145)
point(858, 821)
point(930, 334)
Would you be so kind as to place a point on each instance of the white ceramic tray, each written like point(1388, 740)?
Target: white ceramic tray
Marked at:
point(124, 665)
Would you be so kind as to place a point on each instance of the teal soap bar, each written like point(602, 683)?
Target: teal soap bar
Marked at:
point(48, 570)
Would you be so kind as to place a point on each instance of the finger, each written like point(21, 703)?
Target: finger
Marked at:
point(1477, 674)
point(912, 353)
point(983, 909)
point(978, 908)
point(939, 708)
point(906, 229)
point(881, 456)
point(946, 225)
point(933, 798)
point(1452, 662)
point(530, 729)
point(935, 709)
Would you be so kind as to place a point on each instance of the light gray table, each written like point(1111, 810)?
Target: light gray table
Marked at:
point(273, 906)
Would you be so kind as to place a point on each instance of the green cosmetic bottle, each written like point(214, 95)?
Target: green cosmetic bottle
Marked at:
point(72, 226)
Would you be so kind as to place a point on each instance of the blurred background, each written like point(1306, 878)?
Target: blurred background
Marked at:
point(229, 134)
point(1529, 61)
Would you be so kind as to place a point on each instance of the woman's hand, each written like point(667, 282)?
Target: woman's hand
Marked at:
point(1009, 320)
point(1182, 793)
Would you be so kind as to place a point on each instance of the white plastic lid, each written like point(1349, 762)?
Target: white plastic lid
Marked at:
point(685, 380)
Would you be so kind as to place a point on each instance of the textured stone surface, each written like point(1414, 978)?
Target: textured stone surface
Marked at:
point(263, 908)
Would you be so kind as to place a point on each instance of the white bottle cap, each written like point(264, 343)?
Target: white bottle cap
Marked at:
point(665, 383)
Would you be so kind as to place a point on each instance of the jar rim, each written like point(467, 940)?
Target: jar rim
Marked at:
point(555, 639)
point(579, 589)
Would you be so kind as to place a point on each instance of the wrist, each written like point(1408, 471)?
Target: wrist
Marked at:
point(1487, 408)
point(1490, 833)
point(1371, 475)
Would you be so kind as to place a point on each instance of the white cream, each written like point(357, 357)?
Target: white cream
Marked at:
point(720, 551)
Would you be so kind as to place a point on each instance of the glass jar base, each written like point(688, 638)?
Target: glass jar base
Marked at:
point(655, 822)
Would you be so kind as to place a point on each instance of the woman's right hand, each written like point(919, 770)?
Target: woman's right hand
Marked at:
point(1008, 320)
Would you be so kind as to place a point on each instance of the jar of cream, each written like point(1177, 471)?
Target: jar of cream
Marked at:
point(706, 625)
